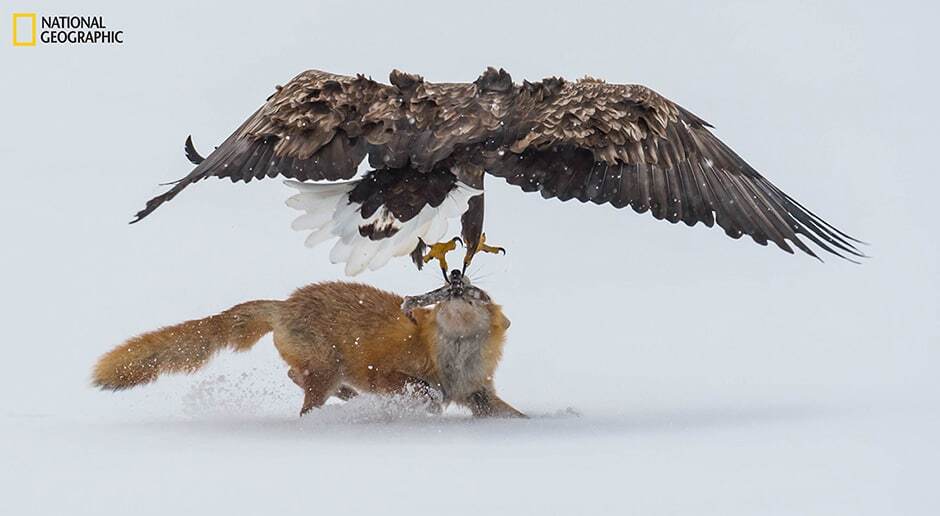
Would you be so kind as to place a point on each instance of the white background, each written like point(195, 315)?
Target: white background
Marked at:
point(670, 370)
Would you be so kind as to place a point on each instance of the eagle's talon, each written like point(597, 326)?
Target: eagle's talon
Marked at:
point(482, 247)
point(439, 252)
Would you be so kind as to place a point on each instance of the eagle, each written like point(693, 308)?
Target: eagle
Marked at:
point(429, 146)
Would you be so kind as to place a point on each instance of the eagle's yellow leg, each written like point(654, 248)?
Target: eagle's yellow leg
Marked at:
point(482, 247)
point(439, 252)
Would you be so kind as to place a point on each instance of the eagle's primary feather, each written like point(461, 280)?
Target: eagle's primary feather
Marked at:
point(623, 145)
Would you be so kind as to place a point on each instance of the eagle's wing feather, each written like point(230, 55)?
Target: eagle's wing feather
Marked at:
point(314, 127)
point(628, 145)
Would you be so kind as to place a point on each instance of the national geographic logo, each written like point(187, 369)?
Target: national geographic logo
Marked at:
point(63, 30)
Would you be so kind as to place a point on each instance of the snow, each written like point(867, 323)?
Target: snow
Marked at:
point(669, 370)
point(229, 440)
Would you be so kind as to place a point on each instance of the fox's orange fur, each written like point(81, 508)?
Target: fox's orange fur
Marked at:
point(338, 339)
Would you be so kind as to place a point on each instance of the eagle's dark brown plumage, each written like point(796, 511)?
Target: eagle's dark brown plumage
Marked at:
point(625, 145)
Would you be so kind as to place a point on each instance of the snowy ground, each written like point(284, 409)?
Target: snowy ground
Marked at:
point(229, 442)
point(688, 460)
point(669, 370)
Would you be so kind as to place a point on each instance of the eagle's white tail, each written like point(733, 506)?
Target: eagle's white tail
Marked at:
point(329, 214)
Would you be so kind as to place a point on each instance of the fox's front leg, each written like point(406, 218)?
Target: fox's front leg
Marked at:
point(486, 403)
point(395, 382)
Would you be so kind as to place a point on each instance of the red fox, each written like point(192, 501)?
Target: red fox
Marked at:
point(341, 339)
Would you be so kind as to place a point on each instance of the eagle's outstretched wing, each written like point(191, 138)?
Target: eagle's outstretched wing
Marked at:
point(428, 145)
point(420, 138)
point(628, 145)
point(314, 128)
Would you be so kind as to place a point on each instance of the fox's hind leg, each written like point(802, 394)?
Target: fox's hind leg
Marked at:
point(344, 392)
point(296, 377)
point(319, 382)
point(315, 371)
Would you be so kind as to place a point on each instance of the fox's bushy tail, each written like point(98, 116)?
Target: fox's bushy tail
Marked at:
point(184, 347)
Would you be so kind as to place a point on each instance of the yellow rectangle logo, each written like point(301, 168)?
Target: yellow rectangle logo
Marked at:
point(24, 29)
